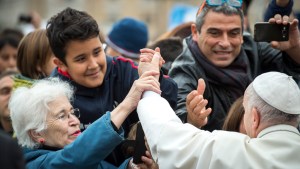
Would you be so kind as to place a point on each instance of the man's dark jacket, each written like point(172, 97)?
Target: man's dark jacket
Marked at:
point(225, 85)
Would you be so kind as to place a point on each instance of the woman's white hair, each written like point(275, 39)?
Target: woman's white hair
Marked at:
point(29, 107)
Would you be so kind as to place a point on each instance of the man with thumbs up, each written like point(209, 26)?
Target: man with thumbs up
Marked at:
point(228, 60)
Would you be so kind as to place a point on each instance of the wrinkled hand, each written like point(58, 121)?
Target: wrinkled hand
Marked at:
point(146, 59)
point(294, 40)
point(148, 163)
point(195, 103)
point(146, 82)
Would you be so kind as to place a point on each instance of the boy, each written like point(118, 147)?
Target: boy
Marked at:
point(100, 82)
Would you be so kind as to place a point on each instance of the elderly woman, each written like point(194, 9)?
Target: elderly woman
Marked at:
point(47, 126)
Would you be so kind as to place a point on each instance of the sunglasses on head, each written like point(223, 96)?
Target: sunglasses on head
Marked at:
point(214, 3)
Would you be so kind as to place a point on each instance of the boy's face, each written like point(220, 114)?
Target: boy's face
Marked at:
point(86, 62)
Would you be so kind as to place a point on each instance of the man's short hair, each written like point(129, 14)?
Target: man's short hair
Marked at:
point(224, 9)
point(67, 26)
point(11, 37)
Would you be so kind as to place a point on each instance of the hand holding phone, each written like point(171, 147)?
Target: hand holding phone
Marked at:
point(267, 32)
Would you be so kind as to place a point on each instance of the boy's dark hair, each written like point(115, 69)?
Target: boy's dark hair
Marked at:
point(69, 25)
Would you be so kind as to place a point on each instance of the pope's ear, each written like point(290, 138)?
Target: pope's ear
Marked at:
point(256, 118)
point(60, 64)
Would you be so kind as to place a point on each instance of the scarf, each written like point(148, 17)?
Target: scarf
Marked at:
point(233, 77)
point(22, 81)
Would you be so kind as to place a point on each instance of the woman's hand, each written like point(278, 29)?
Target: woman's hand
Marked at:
point(146, 82)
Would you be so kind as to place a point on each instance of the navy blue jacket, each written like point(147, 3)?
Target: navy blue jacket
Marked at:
point(119, 77)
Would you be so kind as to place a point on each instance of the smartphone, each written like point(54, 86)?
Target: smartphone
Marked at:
point(140, 146)
point(267, 32)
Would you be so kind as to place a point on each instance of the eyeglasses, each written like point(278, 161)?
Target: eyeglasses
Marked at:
point(233, 3)
point(214, 3)
point(63, 115)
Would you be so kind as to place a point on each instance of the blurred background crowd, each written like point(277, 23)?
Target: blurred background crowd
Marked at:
point(159, 15)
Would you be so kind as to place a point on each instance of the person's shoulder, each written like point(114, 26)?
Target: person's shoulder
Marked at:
point(11, 154)
point(54, 72)
point(57, 73)
point(247, 36)
point(249, 43)
point(122, 61)
point(4, 137)
point(184, 58)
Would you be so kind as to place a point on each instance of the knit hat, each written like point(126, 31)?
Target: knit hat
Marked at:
point(128, 36)
point(278, 90)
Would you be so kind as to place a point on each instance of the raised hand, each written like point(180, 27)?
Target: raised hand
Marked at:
point(146, 82)
point(293, 41)
point(195, 103)
point(146, 59)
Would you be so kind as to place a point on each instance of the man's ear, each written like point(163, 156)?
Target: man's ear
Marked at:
point(194, 32)
point(36, 136)
point(256, 120)
point(60, 64)
point(242, 38)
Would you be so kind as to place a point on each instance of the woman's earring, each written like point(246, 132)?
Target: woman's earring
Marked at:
point(42, 141)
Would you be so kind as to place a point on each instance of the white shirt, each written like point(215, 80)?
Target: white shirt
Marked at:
point(177, 145)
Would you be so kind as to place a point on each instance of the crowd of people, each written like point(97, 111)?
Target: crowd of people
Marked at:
point(206, 94)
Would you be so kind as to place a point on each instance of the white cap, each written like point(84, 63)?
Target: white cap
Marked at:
point(278, 90)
